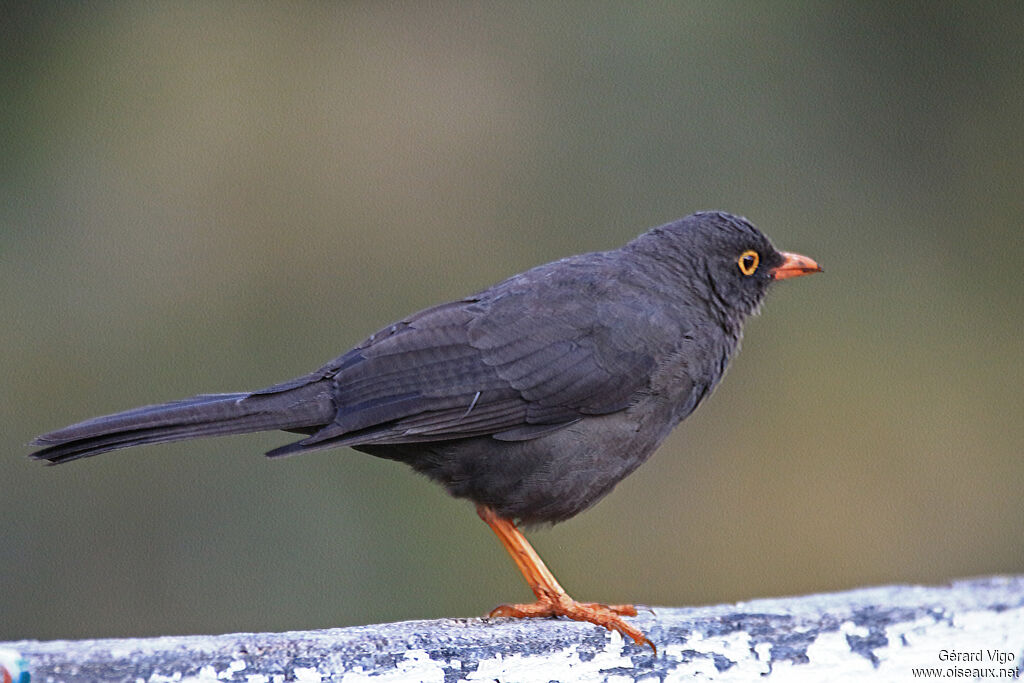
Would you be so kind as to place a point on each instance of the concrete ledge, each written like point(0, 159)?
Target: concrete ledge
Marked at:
point(970, 628)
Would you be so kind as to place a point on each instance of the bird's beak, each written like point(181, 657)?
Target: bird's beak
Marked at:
point(795, 265)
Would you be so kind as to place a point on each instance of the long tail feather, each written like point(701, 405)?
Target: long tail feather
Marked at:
point(298, 408)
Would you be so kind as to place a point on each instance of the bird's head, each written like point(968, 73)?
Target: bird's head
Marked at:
point(725, 260)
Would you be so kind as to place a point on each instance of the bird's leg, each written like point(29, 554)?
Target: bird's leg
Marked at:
point(552, 600)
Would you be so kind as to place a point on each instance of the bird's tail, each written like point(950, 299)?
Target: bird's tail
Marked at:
point(297, 408)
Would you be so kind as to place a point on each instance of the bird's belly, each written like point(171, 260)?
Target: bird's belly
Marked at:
point(544, 480)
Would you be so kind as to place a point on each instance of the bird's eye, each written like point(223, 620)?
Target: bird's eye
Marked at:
point(748, 261)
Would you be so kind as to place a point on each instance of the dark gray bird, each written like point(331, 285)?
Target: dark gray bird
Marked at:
point(532, 398)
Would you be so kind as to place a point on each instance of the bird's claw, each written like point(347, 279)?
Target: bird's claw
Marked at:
point(607, 616)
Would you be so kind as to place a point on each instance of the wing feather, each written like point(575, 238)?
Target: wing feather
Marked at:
point(514, 361)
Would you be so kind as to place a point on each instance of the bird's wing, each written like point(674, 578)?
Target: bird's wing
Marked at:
point(517, 361)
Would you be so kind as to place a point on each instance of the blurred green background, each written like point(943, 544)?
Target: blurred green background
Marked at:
point(216, 197)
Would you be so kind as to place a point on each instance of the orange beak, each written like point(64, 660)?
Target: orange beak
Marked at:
point(795, 265)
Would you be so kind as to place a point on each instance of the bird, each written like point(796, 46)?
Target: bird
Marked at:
point(532, 398)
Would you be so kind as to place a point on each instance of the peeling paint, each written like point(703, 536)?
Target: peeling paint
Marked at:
point(877, 634)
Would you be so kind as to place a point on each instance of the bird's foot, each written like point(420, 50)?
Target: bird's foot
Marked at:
point(607, 616)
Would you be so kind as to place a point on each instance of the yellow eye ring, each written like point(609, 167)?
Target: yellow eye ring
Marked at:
point(748, 261)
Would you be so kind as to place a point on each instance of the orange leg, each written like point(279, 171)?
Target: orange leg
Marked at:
point(552, 600)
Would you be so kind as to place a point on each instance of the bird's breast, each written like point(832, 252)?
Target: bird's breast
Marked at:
point(686, 376)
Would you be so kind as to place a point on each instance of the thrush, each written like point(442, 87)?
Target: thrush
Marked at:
point(532, 398)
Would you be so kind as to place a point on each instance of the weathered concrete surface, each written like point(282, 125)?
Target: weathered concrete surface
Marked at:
point(877, 634)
